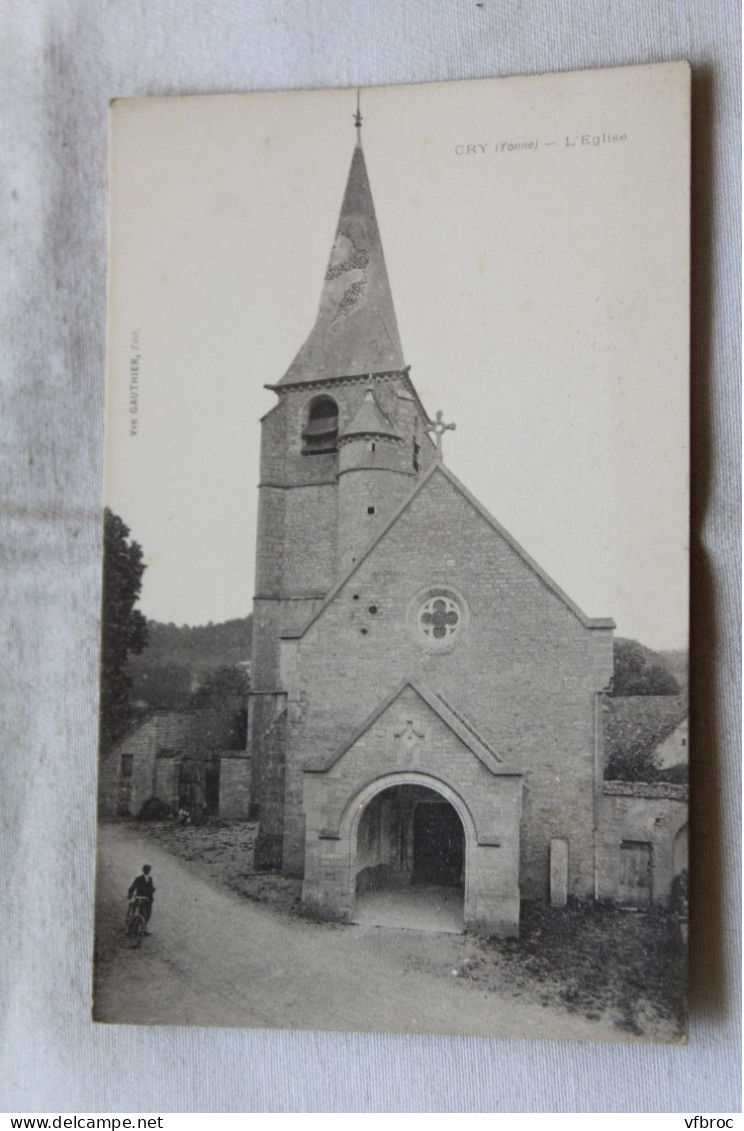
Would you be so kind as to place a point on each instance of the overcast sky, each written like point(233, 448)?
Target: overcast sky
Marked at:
point(541, 296)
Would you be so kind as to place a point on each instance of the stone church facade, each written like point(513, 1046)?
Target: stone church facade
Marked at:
point(426, 702)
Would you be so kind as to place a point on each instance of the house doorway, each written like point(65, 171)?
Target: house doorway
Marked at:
point(634, 887)
point(410, 861)
point(199, 788)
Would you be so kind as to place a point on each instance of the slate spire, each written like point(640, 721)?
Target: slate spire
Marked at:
point(355, 330)
point(370, 420)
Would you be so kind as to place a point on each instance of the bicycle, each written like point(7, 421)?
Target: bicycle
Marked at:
point(136, 922)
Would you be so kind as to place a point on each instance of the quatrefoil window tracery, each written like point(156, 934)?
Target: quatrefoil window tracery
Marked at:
point(439, 618)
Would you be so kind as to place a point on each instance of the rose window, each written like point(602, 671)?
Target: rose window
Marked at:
point(439, 618)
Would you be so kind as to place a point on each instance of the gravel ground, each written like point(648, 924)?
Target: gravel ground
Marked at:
point(623, 972)
point(223, 851)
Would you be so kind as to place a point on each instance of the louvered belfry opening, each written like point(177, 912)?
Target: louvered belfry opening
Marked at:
point(320, 434)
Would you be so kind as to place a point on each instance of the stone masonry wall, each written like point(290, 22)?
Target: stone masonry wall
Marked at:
point(296, 557)
point(142, 743)
point(489, 806)
point(155, 747)
point(654, 814)
point(270, 788)
point(380, 490)
point(235, 786)
point(525, 671)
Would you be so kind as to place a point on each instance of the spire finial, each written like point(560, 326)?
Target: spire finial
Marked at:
point(358, 119)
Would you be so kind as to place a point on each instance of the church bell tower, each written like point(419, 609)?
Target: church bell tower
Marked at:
point(340, 452)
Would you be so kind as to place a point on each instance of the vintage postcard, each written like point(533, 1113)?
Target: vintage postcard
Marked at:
point(394, 649)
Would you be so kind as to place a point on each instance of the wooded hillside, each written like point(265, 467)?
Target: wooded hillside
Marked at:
point(180, 659)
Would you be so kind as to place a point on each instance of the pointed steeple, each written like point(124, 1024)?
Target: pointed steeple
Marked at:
point(355, 330)
point(370, 420)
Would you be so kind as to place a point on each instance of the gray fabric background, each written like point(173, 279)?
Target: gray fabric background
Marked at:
point(62, 61)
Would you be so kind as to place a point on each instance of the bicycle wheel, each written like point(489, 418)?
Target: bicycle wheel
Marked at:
point(137, 929)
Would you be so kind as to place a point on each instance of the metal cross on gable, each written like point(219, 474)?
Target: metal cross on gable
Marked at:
point(438, 427)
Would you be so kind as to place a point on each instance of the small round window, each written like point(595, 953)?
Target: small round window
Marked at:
point(437, 618)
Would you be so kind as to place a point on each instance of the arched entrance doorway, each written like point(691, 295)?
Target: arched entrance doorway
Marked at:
point(409, 861)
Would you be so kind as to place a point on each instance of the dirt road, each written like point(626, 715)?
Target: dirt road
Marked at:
point(215, 958)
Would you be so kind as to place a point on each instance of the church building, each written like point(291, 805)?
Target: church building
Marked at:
point(426, 703)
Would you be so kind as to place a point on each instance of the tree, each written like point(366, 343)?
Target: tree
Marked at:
point(124, 628)
point(226, 689)
point(639, 671)
point(635, 763)
point(226, 686)
point(161, 686)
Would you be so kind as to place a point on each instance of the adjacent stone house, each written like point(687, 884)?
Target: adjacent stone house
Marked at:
point(643, 841)
point(673, 750)
point(643, 825)
point(191, 759)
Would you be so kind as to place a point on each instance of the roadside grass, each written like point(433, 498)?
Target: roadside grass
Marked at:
point(586, 958)
point(594, 958)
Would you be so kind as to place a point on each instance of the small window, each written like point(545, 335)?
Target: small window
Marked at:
point(370, 510)
point(437, 618)
point(127, 765)
point(320, 433)
point(416, 451)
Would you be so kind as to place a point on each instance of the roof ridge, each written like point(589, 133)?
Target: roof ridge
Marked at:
point(439, 466)
point(299, 632)
point(468, 725)
point(432, 699)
